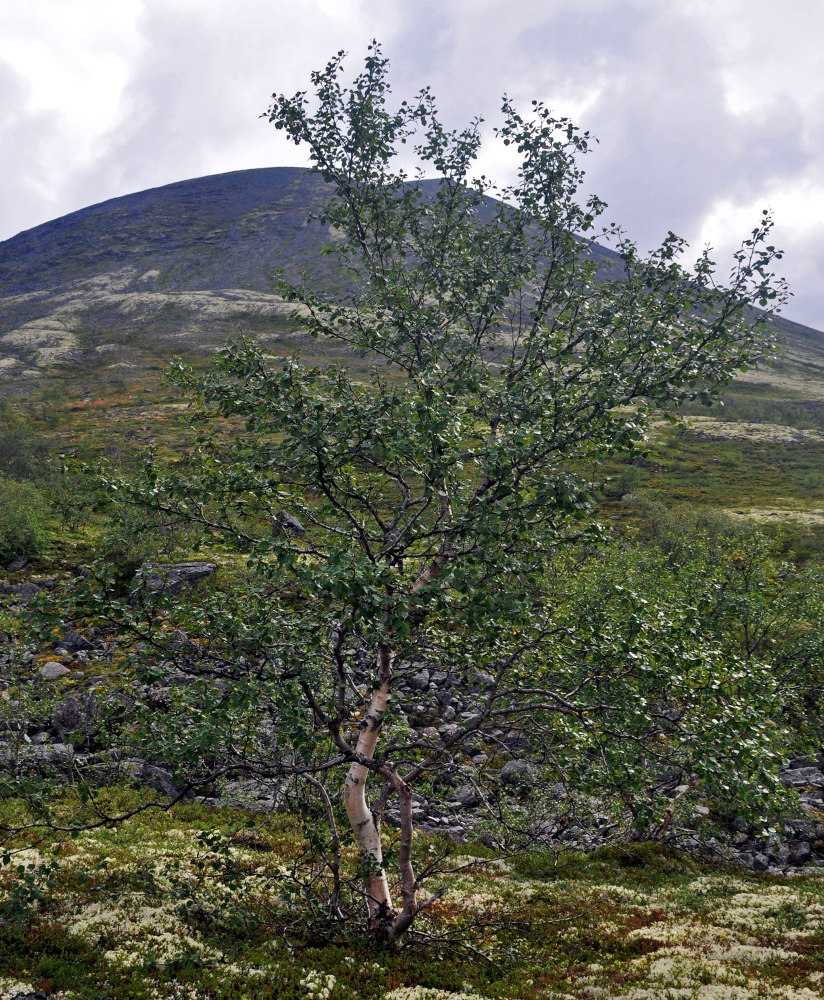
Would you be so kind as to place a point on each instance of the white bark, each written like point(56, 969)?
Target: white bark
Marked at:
point(364, 824)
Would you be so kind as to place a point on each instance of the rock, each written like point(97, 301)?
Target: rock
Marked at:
point(160, 780)
point(517, 773)
point(169, 578)
point(421, 716)
point(283, 519)
point(801, 776)
point(155, 777)
point(419, 681)
point(252, 794)
point(48, 755)
point(796, 762)
point(448, 731)
point(780, 855)
point(438, 677)
point(467, 796)
point(800, 853)
point(66, 716)
point(73, 642)
point(52, 670)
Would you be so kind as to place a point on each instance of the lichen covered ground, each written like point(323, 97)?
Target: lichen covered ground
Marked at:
point(195, 905)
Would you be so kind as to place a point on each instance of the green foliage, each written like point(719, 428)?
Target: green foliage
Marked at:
point(22, 451)
point(24, 520)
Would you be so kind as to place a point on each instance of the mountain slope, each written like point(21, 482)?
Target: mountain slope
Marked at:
point(181, 266)
point(122, 285)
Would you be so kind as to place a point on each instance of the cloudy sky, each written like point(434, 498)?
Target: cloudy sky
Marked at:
point(706, 111)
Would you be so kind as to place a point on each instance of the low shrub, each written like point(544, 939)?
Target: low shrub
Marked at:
point(24, 514)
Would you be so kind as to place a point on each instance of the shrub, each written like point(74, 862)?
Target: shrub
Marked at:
point(22, 455)
point(24, 516)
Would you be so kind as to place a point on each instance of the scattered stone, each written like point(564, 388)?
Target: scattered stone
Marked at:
point(153, 776)
point(26, 591)
point(46, 755)
point(800, 853)
point(419, 681)
point(802, 776)
point(517, 772)
point(52, 670)
point(467, 796)
point(73, 642)
point(66, 716)
point(169, 578)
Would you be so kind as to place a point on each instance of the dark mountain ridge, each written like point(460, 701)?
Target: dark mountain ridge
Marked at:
point(181, 267)
point(211, 232)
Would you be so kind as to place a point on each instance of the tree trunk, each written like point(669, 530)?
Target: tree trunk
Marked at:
point(365, 825)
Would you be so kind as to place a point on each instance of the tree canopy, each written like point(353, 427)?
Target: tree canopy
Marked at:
point(422, 511)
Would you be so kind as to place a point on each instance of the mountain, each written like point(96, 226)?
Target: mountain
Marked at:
point(121, 286)
point(180, 266)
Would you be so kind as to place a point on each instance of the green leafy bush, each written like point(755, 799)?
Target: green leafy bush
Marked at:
point(24, 514)
point(22, 454)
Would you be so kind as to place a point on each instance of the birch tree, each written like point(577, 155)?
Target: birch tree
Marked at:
point(411, 510)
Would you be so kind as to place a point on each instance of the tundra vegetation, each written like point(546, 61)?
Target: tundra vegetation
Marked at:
point(433, 512)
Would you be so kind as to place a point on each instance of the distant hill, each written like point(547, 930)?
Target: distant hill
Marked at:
point(123, 285)
point(177, 267)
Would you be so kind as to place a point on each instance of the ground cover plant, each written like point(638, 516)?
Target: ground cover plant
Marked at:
point(157, 909)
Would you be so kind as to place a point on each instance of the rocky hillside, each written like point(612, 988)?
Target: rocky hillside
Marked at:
point(167, 270)
point(177, 267)
point(115, 290)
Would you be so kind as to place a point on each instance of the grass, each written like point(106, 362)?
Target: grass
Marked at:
point(147, 911)
point(761, 456)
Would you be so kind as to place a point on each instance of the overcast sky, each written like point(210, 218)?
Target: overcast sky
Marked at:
point(706, 111)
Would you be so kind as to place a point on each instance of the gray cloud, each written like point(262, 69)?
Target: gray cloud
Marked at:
point(652, 78)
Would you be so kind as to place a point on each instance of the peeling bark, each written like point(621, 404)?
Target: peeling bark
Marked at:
point(365, 825)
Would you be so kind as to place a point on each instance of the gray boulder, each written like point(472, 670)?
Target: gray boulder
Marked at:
point(73, 642)
point(41, 756)
point(52, 670)
point(170, 578)
point(517, 773)
point(66, 716)
point(419, 681)
point(467, 795)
